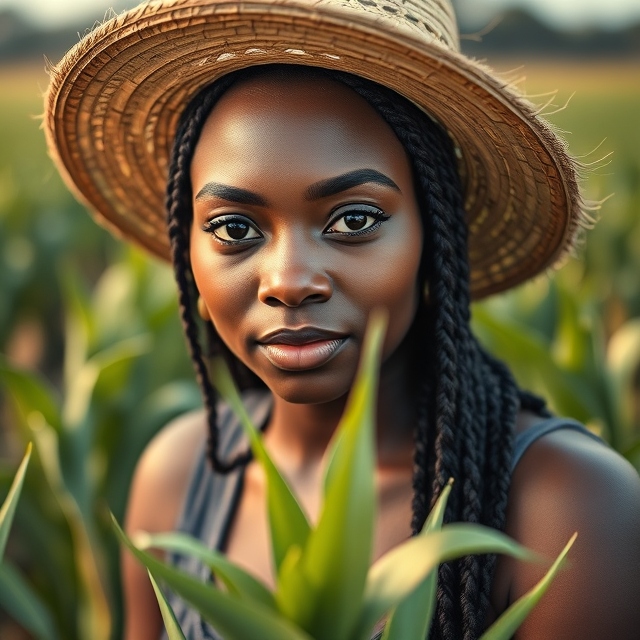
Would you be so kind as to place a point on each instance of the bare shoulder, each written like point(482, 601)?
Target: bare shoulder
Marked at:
point(568, 482)
point(164, 470)
point(158, 488)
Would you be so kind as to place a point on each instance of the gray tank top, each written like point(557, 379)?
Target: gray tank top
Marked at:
point(211, 499)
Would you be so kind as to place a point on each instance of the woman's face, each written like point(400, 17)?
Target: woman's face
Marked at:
point(305, 220)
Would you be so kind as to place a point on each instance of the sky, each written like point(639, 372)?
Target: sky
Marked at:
point(562, 13)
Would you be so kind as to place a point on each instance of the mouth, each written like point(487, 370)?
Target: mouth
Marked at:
point(301, 349)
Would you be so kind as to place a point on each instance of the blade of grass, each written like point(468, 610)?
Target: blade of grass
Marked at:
point(237, 581)
point(10, 503)
point(411, 619)
point(505, 626)
point(233, 618)
point(174, 632)
point(337, 557)
point(288, 523)
point(399, 572)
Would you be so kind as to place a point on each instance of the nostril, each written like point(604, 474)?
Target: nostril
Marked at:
point(274, 301)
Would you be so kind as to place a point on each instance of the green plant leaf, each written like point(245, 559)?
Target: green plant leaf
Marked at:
point(623, 365)
point(338, 553)
point(94, 616)
point(23, 604)
point(174, 632)
point(8, 509)
point(411, 619)
point(531, 361)
point(399, 572)
point(81, 386)
point(233, 618)
point(237, 581)
point(288, 523)
point(505, 626)
point(296, 598)
point(30, 393)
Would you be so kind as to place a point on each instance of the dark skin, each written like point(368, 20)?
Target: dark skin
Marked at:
point(305, 217)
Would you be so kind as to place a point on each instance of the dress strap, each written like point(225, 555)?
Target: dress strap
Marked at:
point(525, 439)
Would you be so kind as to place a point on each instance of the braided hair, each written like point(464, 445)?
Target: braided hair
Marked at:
point(468, 401)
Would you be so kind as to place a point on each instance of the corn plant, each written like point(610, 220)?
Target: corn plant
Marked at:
point(325, 587)
point(8, 509)
point(558, 348)
point(117, 391)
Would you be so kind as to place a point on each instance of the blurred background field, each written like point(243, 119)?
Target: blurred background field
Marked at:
point(82, 317)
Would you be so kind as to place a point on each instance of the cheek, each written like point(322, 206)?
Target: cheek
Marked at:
point(392, 282)
point(226, 300)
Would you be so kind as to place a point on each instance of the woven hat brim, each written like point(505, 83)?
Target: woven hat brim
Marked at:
point(114, 102)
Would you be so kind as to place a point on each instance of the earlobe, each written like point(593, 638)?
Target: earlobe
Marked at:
point(203, 312)
point(425, 292)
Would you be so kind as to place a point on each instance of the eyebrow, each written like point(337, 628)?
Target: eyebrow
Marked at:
point(316, 191)
point(232, 194)
point(332, 186)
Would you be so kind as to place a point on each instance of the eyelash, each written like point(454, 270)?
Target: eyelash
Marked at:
point(221, 221)
point(369, 211)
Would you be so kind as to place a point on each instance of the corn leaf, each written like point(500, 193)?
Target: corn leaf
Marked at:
point(288, 523)
point(19, 600)
point(233, 618)
point(296, 598)
point(411, 619)
point(338, 553)
point(94, 615)
point(399, 572)
point(8, 509)
point(237, 581)
point(505, 626)
point(80, 387)
point(29, 393)
point(174, 632)
point(533, 365)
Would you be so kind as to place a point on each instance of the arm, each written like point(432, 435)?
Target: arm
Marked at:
point(157, 491)
point(567, 483)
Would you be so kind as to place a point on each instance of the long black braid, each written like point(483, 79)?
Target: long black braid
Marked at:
point(468, 402)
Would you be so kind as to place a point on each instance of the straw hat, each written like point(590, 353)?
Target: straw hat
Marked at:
point(115, 99)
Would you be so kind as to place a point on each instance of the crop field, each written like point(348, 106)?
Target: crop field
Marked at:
point(70, 296)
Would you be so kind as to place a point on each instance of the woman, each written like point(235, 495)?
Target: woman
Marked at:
point(331, 158)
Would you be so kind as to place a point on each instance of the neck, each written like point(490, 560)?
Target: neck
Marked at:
point(299, 434)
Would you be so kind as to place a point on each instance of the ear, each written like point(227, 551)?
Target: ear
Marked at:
point(203, 312)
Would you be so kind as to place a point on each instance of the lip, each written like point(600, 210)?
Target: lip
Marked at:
point(297, 337)
point(301, 349)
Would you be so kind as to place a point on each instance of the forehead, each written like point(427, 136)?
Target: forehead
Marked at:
point(297, 120)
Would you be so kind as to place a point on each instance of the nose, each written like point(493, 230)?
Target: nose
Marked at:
point(292, 274)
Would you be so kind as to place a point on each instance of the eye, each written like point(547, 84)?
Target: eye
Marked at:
point(232, 229)
point(356, 219)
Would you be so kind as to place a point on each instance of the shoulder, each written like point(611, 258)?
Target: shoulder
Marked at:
point(568, 482)
point(159, 484)
point(163, 472)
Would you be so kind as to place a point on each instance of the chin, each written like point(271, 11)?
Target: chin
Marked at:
point(311, 387)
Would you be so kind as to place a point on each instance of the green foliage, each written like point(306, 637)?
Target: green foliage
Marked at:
point(117, 391)
point(576, 342)
point(8, 509)
point(325, 587)
point(571, 364)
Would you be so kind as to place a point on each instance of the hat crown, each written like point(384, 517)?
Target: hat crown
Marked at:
point(431, 19)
